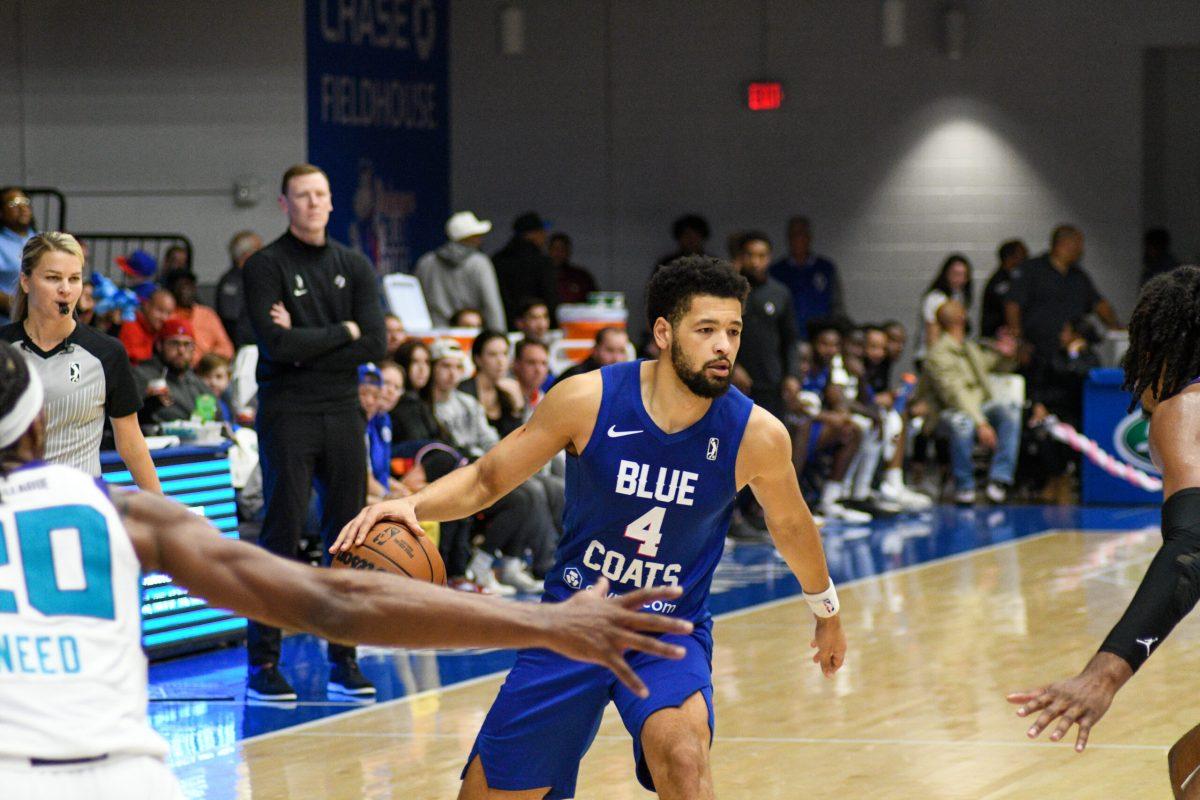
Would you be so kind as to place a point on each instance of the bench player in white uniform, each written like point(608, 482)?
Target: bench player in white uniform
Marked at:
point(72, 672)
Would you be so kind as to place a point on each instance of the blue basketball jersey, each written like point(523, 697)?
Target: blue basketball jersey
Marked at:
point(648, 508)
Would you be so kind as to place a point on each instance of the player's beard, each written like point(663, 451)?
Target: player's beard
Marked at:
point(696, 380)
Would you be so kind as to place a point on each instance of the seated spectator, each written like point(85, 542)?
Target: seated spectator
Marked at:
point(16, 228)
point(467, 318)
point(812, 279)
point(213, 369)
point(956, 374)
point(995, 293)
point(574, 282)
point(465, 420)
point(499, 394)
point(1157, 257)
point(412, 417)
point(531, 368)
point(820, 422)
point(457, 275)
point(210, 331)
point(230, 303)
point(523, 269)
point(690, 233)
point(612, 347)
point(139, 336)
point(395, 334)
point(166, 381)
point(175, 259)
point(380, 483)
point(85, 309)
point(533, 319)
point(897, 337)
point(953, 282)
point(140, 266)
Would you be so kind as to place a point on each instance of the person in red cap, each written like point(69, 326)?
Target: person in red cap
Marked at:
point(166, 382)
point(139, 336)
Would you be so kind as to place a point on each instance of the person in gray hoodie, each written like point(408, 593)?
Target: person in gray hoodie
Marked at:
point(457, 275)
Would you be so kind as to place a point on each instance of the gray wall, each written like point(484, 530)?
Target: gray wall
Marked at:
point(624, 113)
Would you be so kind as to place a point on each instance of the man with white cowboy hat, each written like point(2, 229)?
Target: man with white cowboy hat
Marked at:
point(458, 275)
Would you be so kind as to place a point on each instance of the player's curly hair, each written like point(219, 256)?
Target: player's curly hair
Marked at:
point(670, 291)
point(1164, 336)
point(14, 379)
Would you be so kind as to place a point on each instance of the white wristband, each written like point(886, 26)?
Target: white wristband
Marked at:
point(825, 604)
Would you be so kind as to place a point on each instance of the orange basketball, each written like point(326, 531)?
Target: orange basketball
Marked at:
point(391, 548)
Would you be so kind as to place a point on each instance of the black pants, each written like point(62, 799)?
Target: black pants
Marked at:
point(294, 449)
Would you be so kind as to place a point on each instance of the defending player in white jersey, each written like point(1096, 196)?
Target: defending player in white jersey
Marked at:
point(72, 672)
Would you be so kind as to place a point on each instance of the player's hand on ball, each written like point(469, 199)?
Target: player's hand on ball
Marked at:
point(598, 629)
point(1081, 700)
point(830, 641)
point(355, 533)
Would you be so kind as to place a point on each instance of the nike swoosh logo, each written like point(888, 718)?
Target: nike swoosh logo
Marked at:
point(300, 292)
point(613, 433)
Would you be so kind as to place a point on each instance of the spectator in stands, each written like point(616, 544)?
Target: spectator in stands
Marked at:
point(955, 377)
point(491, 385)
point(395, 333)
point(412, 417)
point(1157, 257)
point(690, 233)
point(316, 312)
point(457, 275)
point(467, 318)
point(466, 421)
point(1050, 291)
point(85, 375)
point(206, 325)
point(214, 370)
point(820, 422)
point(574, 282)
point(380, 483)
point(139, 335)
point(533, 318)
point(812, 279)
point(766, 365)
point(523, 268)
point(166, 382)
point(531, 368)
point(16, 228)
point(611, 347)
point(231, 305)
point(897, 336)
point(175, 258)
point(953, 282)
point(995, 294)
point(85, 309)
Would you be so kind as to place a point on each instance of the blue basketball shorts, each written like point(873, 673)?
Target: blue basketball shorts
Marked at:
point(549, 710)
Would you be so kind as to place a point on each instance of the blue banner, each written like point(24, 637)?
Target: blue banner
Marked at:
point(378, 122)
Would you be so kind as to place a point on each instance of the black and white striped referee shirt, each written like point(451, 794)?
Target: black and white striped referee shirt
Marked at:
point(86, 378)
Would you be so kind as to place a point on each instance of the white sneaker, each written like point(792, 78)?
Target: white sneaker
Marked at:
point(996, 493)
point(480, 570)
point(905, 497)
point(839, 512)
point(514, 576)
point(966, 497)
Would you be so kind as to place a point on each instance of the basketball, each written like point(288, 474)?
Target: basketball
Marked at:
point(391, 548)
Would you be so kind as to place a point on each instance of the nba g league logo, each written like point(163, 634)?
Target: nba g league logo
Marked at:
point(713, 444)
point(1132, 441)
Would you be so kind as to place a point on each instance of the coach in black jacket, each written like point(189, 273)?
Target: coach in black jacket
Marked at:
point(314, 306)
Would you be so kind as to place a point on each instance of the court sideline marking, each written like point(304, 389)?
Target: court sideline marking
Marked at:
point(725, 615)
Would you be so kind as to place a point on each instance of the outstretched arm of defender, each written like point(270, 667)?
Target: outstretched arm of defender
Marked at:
point(374, 608)
point(765, 463)
point(564, 418)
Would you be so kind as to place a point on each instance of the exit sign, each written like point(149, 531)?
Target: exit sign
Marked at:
point(764, 95)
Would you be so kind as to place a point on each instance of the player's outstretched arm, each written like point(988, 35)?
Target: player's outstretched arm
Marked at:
point(765, 463)
point(372, 608)
point(565, 417)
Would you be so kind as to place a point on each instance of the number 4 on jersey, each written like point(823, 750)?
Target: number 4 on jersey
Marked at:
point(647, 529)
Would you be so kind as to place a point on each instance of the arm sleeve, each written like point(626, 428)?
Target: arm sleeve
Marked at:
point(489, 292)
point(1170, 588)
point(264, 288)
point(122, 395)
point(368, 313)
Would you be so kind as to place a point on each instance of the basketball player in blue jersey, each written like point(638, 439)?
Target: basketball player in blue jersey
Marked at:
point(657, 453)
point(72, 673)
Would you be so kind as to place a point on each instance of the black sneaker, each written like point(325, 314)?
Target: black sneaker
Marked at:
point(346, 678)
point(266, 683)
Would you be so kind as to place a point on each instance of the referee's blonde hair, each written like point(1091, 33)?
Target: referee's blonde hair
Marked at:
point(35, 248)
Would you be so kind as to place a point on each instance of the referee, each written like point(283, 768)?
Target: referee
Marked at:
point(86, 374)
point(315, 310)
